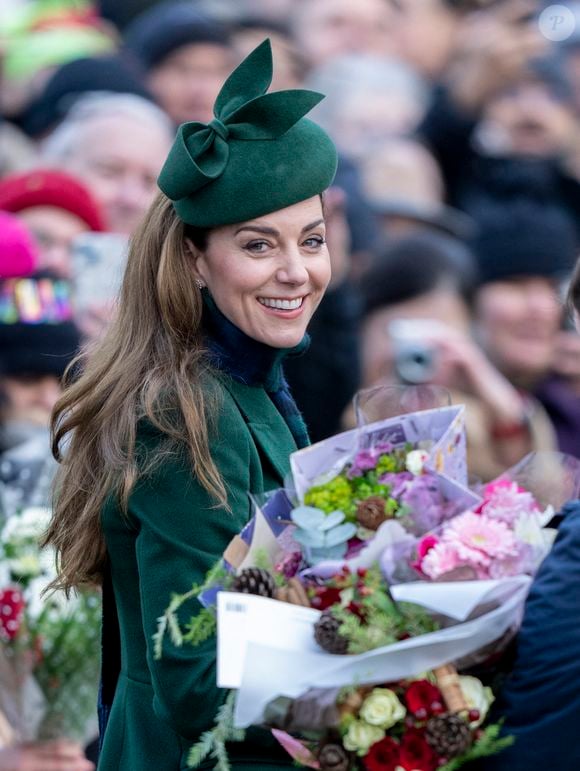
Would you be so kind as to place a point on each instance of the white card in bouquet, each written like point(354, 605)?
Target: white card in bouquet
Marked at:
point(444, 427)
point(290, 667)
point(245, 618)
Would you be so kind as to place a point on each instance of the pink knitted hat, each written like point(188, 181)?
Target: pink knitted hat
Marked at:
point(18, 252)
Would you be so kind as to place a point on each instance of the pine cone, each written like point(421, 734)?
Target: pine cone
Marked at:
point(255, 581)
point(371, 513)
point(448, 735)
point(327, 635)
point(333, 757)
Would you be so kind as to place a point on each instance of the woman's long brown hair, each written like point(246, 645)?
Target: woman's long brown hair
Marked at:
point(147, 366)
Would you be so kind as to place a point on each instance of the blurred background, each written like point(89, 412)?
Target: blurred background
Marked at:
point(453, 223)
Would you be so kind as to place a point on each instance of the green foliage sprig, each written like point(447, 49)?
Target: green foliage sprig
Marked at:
point(213, 742)
point(201, 626)
point(370, 617)
point(344, 492)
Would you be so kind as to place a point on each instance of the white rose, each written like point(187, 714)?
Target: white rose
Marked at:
point(382, 708)
point(415, 461)
point(361, 736)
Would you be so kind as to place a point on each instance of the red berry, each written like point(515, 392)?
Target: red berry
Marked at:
point(441, 761)
point(361, 572)
point(421, 713)
point(437, 708)
point(473, 715)
point(409, 722)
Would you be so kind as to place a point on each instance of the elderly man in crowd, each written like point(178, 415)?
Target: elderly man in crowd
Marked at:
point(116, 143)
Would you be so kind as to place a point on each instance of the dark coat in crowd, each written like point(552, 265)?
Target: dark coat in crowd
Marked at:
point(473, 179)
point(563, 407)
point(325, 378)
point(540, 701)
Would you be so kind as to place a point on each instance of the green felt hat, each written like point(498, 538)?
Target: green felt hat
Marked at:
point(259, 154)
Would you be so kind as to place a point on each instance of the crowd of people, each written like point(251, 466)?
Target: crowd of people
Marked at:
point(453, 223)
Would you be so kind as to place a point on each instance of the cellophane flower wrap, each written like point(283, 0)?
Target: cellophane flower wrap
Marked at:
point(506, 534)
point(302, 601)
point(49, 645)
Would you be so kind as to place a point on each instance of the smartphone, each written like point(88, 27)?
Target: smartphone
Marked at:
point(415, 360)
point(98, 264)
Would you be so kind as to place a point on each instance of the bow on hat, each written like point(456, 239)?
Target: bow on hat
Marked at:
point(243, 111)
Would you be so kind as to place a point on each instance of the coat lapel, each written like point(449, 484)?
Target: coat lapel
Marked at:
point(267, 427)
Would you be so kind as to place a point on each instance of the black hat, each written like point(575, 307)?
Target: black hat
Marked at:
point(116, 74)
point(160, 30)
point(37, 333)
point(524, 237)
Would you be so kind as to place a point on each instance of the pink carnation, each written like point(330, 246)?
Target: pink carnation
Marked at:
point(505, 501)
point(426, 544)
point(440, 559)
point(478, 539)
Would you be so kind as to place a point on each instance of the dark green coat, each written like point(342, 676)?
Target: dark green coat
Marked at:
point(171, 538)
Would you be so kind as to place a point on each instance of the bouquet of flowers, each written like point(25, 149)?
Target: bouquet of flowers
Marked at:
point(304, 599)
point(506, 534)
point(424, 723)
point(50, 647)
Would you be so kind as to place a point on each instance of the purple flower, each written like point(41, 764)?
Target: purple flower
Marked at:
point(397, 481)
point(424, 501)
point(289, 565)
point(365, 460)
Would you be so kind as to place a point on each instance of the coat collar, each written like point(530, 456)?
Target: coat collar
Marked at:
point(267, 427)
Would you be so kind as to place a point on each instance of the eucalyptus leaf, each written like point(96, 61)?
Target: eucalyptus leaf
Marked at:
point(307, 517)
point(310, 538)
point(332, 520)
point(340, 534)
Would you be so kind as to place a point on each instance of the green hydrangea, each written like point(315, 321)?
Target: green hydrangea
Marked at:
point(336, 495)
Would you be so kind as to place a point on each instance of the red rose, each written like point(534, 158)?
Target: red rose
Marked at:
point(382, 756)
point(11, 612)
point(415, 754)
point(325, 597)
point(421, 696)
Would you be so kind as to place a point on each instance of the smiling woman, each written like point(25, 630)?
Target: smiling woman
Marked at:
point(267, 276)
point(183, 408)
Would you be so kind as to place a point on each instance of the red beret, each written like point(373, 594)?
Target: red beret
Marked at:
point(47, 187)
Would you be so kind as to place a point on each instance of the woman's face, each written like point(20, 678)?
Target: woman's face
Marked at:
point(516, 323)
point(378, 351)
point(268, 275)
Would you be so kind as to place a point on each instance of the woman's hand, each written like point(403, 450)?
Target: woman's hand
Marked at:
point(59, 755)
point(462, 365)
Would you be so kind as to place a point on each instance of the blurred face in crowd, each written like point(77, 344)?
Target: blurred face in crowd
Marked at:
point(424, 33)
point(443, 304)
point(516, 324)
point(119, 160)
point(529, 119)
point(54, 230)
point(328, 28)
point(268, 275)
point(187, 82)
point(29, 398)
